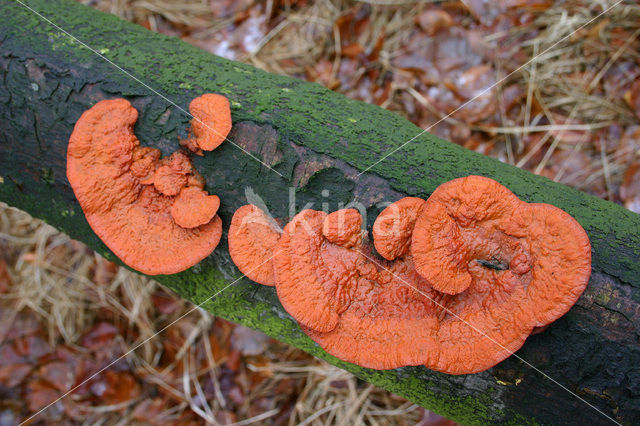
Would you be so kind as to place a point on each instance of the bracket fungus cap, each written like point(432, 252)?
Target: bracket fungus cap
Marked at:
point(127, 193)
point(211, 122)
point(343, 227)
point(356, 308)
point(301, 274)
point(252, 238)
point(474, 226)
point(391, 316)
point(193, 207)
point(393, 227)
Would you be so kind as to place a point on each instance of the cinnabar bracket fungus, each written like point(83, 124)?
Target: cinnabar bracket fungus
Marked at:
point(508, 265)
point(393, 227)
point(492, 268)
point(252, 238)
point(211, 123)
point(356, 306)
point(153, 213)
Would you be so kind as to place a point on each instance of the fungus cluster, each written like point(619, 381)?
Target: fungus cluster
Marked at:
point(152, 212)
point(458, 283)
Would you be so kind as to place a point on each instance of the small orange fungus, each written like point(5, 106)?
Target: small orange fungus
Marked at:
point(152, 212)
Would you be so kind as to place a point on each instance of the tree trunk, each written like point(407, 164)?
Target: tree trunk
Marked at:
point(315, 139)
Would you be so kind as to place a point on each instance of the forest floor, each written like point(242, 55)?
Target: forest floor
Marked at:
point(544, 97)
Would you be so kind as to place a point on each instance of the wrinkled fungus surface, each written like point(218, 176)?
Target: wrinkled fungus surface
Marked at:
point(252, 238)
point(194, 207)
point(151, 212)
point(474, 230)
point(488, 269)
point(393, 227)
point(355, 305)
point(509, 265)
point(343, 228)
point(211, 122)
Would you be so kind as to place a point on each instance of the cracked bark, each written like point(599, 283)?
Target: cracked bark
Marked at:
point(319, 141)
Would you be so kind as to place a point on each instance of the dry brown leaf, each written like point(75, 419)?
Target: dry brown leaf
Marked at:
point(152, 411)
point(164, 303)
point(433, 20)
point(104, 271)
point(58, 375)
point(630, 189)
point(99, 335)
point(632, 97)
point(5, 279)
point(352, 50)
point(116, 387)
point(11, 375)
point(39, 394)
point(248, 341)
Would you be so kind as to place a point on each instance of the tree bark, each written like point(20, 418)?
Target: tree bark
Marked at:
point(316, 140)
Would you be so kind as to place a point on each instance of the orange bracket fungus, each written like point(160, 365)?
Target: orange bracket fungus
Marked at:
point(153, 213)
point(393, 227)
point(252, 237)
point(357, 308)
point(489, 269)
point(508, 265)
point(211, 122)
point(474, 232)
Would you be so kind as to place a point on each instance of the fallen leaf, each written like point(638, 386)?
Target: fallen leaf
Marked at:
point(5, 279)
point(484, 11)
point(477, 86)
point(39, 394)
point(151, 411)
point(164, 303)
point(630, 188)
point(11, 375)
point(8, 355)
point(116, 387)
point(433, 20)
point(432, 419)
point(25, 323)
point(233, 360)
point(225, 417)
point(352, 50)
point(10, 412)
point(99, 335)
point(104, 271)
point(236, 395)
point(632, 97)
point(321, 72)
point(569, 136)
point(629, 147)
point(229, 8)
point(58, 374)
point(511, 97)
point(377, 47)
point(248, 341)
point(353, 22)
point(32, 347)
point(619, 78)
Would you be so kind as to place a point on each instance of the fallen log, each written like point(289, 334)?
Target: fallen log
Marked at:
point(304, 139)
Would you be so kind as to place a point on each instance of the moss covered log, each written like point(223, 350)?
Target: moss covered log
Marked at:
point(316, 141)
